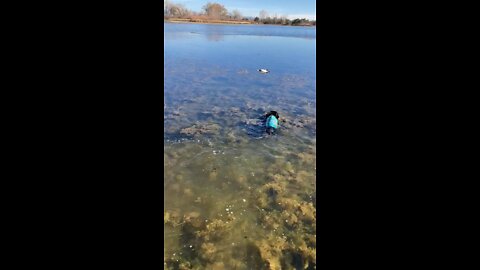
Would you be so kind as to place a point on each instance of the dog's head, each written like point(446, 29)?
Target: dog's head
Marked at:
point(274, 113)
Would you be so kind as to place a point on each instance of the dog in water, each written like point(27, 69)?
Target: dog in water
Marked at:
point(271, 122)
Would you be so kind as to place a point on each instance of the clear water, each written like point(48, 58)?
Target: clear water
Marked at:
point(235, 197)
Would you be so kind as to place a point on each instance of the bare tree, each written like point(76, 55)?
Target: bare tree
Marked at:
point(166, 5)
point(215, 10)
point(174, 10)
point(237, 15)
point(263, 14)
point(178, 10)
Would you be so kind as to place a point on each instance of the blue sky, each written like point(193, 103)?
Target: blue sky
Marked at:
point(291, 8)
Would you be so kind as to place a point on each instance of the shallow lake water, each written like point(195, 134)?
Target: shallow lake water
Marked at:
point(235, 197)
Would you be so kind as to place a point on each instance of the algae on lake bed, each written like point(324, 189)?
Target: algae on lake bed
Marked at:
point(235, 209)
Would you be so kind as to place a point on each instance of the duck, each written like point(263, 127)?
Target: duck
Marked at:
point(263, 70)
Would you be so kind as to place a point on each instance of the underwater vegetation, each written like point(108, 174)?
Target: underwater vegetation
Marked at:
point(232, 211)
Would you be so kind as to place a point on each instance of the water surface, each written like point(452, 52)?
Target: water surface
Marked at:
point(236, 198)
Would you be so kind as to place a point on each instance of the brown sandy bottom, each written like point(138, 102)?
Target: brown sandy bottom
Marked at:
point(250, 205)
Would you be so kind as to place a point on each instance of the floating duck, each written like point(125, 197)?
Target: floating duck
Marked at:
point(263, 70)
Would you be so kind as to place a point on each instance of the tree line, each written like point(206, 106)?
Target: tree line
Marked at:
point(216, 11)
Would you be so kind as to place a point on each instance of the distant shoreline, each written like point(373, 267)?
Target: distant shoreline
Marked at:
point(203, 21)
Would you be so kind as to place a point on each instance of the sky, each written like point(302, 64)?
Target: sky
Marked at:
point(291, 8)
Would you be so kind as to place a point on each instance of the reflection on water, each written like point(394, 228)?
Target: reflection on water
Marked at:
point(216, 34)
point(234, 197)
